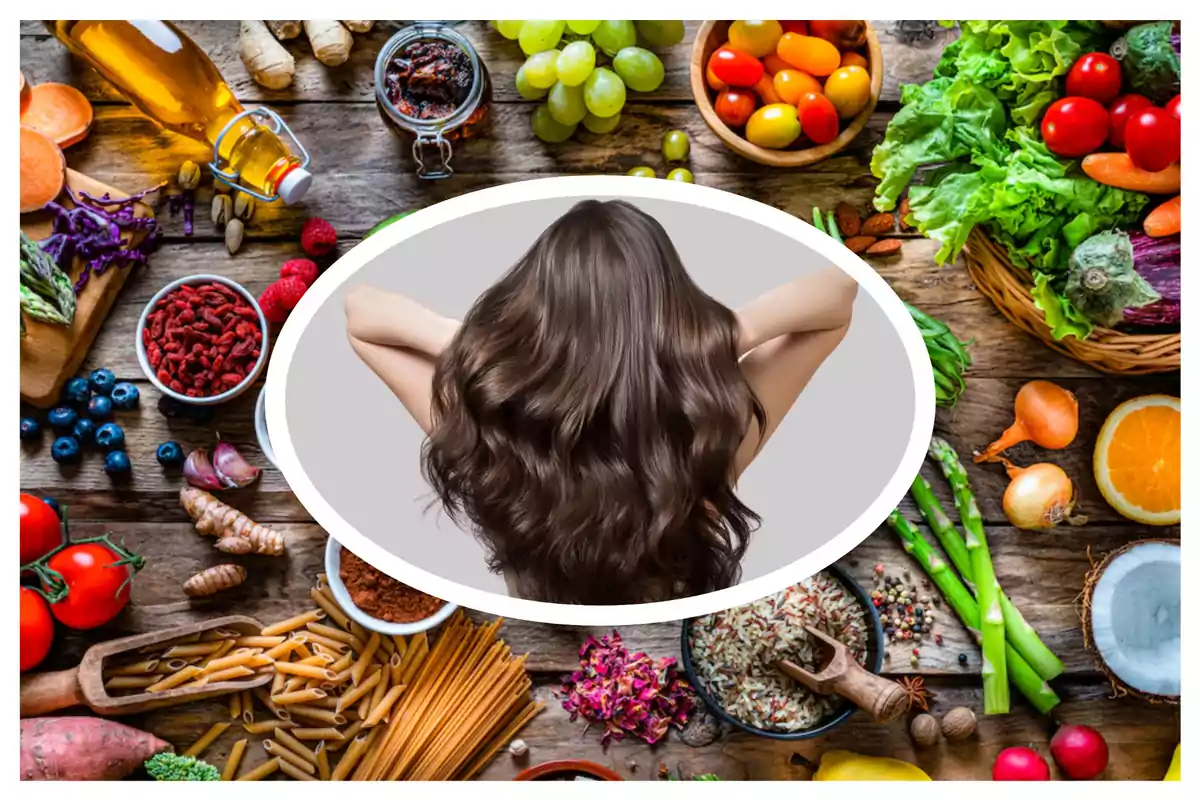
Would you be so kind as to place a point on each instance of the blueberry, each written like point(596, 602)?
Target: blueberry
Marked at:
point(50, 501)
point(65, 450)
point(62, 419)
point(102, 381)
point(171, 408)
point(109, 436)
point(125, 396)
point(170, 455)
point(100, 407)
point(85, 431)
point(77, 392)
point(30, 429)
point(117, 465)
point(962, 659)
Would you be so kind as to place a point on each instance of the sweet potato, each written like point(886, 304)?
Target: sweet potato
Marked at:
point(83, 749)
point(58, 111)
point(43, 170)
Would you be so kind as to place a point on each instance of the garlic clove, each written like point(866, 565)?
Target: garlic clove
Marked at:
point(199, 471)
point(232, 468)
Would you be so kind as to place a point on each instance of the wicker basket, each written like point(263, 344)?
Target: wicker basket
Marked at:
point(1106, 350)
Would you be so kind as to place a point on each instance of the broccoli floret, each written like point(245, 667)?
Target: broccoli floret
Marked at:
point(170, 767)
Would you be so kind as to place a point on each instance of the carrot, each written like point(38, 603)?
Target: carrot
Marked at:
point(1116, 169)
point(1164, 220)
point(83, 749)
point(59, 111)
point(25, 93)
point(42, 170)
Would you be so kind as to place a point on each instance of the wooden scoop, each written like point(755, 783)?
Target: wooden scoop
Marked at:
point(884, 700)
point(47, 692)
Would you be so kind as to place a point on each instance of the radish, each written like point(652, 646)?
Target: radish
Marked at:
point(1080, 752)
point(1020, 764)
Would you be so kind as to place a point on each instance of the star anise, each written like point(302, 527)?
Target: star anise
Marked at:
point(917, 694)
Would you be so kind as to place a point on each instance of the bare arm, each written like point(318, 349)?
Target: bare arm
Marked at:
point(390, 319)
point(821, 301)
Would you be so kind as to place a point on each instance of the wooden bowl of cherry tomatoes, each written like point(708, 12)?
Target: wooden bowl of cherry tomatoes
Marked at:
point(786, 93)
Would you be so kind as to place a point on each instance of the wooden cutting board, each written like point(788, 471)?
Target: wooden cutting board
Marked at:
point(50, 354)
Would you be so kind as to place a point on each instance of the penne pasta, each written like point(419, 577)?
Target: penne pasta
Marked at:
point(170, 665)
point(289, 741)
point(277, 682)
point(311, 734)
point(191, 638)
point(301, 696)
point(323, 771)
point(317, 660)
point(198, 649)
point(201, 744)
point(395, 668)
point(325, 716)
point(364, 659)
point(282, 649)
point(131, 681)
point(238, 659)
point(349, 733)
point(259, 641)
point(217, 635)
point(175, 679)
point(292, 623)
point(235, 705)
point(226, 647)
point(229, 674)
point(265, 699)
point(333, 645)
point(137, 668)
point(305, 670)
point(247, 706)
point(293, 772)
point(386, 647)
point(400, 642)
point(294, 684)
point(330, 632)
point(261, 771)
point(379, 710)
point(330, 607)
point(357, 692)
point(276, 749)
point(267, 725)
point(418, 649)
point(354, 754)
point(234, 760)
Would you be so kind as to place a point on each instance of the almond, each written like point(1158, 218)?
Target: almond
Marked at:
point(877, 224)
point(858, 244)
point(905, 207)
point(849, 221)
point(885, 247)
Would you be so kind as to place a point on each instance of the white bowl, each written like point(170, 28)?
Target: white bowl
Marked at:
point(260, 428)
point(333, 563)
point(251, 377)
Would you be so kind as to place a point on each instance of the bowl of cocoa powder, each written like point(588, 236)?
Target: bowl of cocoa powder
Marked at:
point(378, 601)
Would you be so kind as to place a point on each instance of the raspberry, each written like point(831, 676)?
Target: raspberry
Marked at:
point(318, 238)
point(281, 297)
point(300, 268)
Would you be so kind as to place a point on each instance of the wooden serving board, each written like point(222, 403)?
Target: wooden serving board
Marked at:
point(50, 354)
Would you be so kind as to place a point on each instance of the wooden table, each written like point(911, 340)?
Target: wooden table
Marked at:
point(363, 175)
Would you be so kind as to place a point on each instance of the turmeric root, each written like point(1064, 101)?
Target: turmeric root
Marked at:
point(330, 40)
point(284, 29)
point(358, 25)
point(214, 518)
point(213, 580)
point(267, 61)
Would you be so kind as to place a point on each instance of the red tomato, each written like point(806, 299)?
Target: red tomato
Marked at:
point(97, 586)
point(37, 628)
point(1173, 107)
point(1075, 126)
point(1095, 75)
point(734, 106)
point(1152, 139)
point(818, 118)
point(41, 529)
point(1119, 113)
point(799, 26)
point(735, 68)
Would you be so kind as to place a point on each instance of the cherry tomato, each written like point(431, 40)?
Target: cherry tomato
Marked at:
point(853, 59)
point(735, 67)
point(774, 126)
point(818, 118)
point(765, 88)
point(799, 26)
point(97, 585)
point(1095, 75)
point(1152, 139)
point(849, 89)
point(773, 64)
point(734, 106)
point(755, 36)
point(1173, 107)
point(815, 56)
point(37, 628)
point(1119, 113)
point(714, 83)
point(792, 84)
point(41, 529)
point(1075, 126)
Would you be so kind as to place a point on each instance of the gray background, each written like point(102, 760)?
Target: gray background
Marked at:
point(829, 459)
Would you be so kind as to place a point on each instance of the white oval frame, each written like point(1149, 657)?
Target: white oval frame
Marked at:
point(582, 187)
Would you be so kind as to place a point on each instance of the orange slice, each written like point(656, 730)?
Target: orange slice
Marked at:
point(1137, 461)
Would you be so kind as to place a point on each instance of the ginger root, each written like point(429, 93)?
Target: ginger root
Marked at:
point(267, 61)
point(331, 41)
point(214, 518)
point(358, 25)
point(213, 580)
point(284, 29)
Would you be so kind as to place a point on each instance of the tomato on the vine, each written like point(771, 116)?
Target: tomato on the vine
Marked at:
point(1152, 139)
point(1095, 75)
point(37, 628)
point(734, 106)
point(735, 67)
point(1173, 107)
point(1075, 126)
point(97, 583)
point(41, 529)
point(1119, 113)
point(818, 118)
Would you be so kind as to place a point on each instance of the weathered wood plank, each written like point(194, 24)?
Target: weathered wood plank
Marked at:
point(908, 57)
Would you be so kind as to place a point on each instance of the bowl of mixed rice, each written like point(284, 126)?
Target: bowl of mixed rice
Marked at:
point(728, 656)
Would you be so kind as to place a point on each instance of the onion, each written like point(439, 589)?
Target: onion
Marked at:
point(1046, 414)
point(1039, 496)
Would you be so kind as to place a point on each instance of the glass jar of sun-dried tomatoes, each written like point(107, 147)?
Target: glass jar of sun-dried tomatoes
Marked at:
point(432, 87)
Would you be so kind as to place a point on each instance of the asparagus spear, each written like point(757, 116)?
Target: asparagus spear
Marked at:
point(1021, 634)
point(987, 589)
point(1028, 682)
point(39, 308)
point(41, 276)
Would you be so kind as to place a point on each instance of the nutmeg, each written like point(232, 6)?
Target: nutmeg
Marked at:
point(958, 724)
point(924, 730)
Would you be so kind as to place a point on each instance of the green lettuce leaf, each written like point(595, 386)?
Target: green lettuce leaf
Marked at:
point(1061, 315)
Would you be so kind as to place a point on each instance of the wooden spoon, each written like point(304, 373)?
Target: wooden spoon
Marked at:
point(840, 673)
point(47, 692)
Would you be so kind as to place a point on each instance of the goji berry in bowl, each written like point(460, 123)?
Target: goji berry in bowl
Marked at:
point(202, 340)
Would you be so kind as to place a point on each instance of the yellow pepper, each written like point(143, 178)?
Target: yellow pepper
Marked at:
point(841, 765)
point(1173, 770)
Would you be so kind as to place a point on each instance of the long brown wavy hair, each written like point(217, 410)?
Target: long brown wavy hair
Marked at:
point(586, 418)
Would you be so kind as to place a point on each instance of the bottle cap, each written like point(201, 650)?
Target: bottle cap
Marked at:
point(295, 185)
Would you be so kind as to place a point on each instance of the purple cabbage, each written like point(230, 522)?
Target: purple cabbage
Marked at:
point(1157, 261)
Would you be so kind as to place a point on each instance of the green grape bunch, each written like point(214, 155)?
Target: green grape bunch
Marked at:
point(582, 70)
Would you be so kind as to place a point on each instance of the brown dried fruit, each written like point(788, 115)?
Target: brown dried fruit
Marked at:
point(859, 244)
point(877, 224)
point(905, 207)
point(924, 730)
point(959, 723)
point(885, 247)
point(849, 221)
